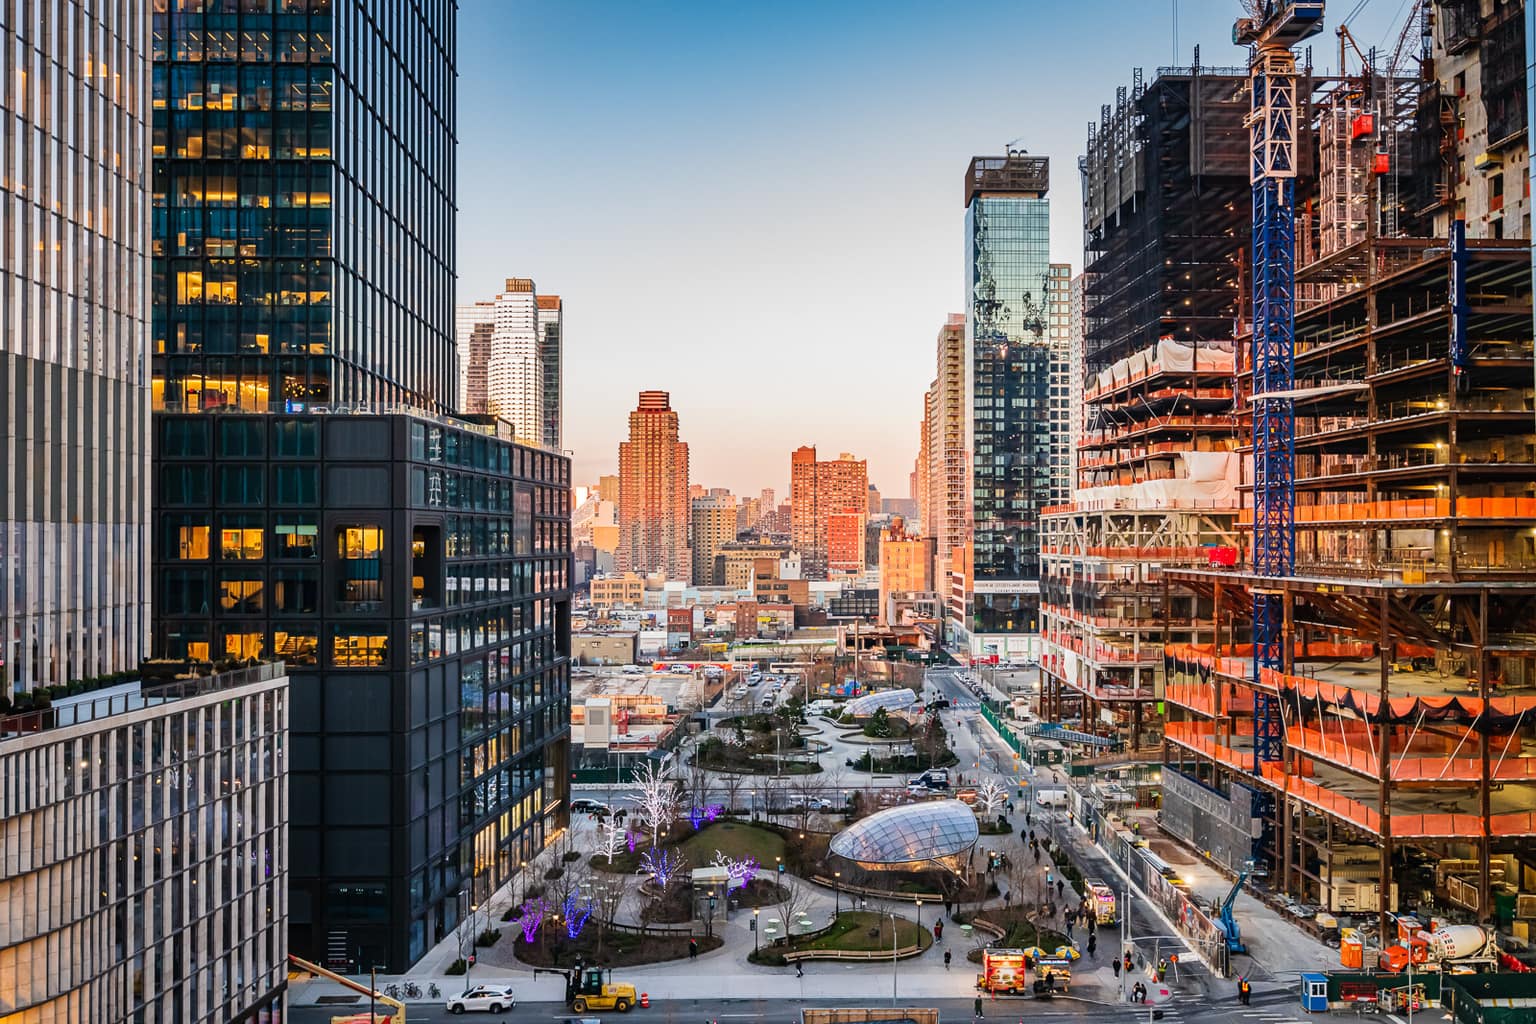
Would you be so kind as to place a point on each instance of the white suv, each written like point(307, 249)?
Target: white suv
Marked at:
point(493, 998)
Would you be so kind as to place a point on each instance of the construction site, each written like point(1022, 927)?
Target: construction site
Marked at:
point(1305, 519)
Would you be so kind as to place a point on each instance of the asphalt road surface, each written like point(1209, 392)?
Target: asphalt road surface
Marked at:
point(787, 1011)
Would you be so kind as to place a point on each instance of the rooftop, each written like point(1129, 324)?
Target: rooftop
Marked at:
point(85, 708)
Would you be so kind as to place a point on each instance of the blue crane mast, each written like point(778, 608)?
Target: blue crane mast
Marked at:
point(1272, 126)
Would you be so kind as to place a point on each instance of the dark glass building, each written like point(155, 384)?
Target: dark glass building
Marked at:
point(303, 224)
point(413, 573)
point(312, 503)
point(1009, 358)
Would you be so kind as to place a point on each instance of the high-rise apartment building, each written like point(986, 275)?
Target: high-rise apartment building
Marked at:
point(74, 423)
point(653, 492)
point(608, 487)
point(552, 359)
point(946, 516)
point(411, 570)
point(144, 849)
point(1009, 359)
point(713, 526)
point(509, 354)
point(1058, 294)
point(829, 504)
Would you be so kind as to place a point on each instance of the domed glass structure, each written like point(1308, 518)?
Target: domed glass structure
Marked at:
point(908, 837)
point(891, 700)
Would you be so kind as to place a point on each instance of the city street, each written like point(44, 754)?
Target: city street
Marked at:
point(787, 1011)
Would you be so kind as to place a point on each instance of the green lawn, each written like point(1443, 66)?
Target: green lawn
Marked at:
point(734, 839)
point(853, 932)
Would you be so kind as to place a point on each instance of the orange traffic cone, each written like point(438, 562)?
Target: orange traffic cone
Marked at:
point(645, 1000)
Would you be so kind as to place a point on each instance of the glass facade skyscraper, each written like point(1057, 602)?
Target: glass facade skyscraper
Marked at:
point(74, 387)
point(316, 504)
point(1009, 365)
point(303, 203)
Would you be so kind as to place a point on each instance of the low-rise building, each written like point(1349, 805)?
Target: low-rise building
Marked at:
point(144, 854)
point(605, 648)
point(623, 591)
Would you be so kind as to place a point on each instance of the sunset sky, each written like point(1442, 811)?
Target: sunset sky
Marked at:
point(758, 206)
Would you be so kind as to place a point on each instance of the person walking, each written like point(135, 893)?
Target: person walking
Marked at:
point(1093, 944)
point(1114, 965)
point(947, 955)
point(1244, 990)
point(693, 949)
point(976, 1013)
point(938, 931)
point(799, 969)
point(1162, 969)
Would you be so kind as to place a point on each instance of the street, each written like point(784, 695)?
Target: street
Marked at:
point(787, 1011)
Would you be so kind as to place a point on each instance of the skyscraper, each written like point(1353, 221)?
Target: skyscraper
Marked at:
point(829, 506)
point(303, 226)
point(947, 518)
point(412, 571)
point(713, 526)
point(653, 492)
point(74, 428)
point(1008, 361)
point(551, 359)
point(1058, 294)
point(501, 343)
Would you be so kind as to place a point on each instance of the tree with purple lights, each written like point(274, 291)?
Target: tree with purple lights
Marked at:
point(740, 870)
point(576, 911)
point(532, 916)
point(664, 864)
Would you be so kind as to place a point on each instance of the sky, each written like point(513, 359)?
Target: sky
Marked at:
point(757, 206)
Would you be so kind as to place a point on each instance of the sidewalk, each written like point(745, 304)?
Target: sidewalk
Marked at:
point(1277, 948)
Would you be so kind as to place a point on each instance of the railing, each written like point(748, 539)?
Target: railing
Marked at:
point(72, 711)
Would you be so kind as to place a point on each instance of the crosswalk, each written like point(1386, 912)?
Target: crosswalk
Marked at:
point(966, 704)
point(1176, 1013)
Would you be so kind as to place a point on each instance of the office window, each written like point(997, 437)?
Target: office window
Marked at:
point(184, 485)
point(360, 583)
point(241, 594)
point(184, 592)
point(296, 648)
point(297, 536)
point(359, 646)
point(183, 437)
point(241, 437)
point(242, 645)
point(296, 437)
point(296, 485)
point(295, 591)
point(242, 538)
point(185, 538)
point(241, 485)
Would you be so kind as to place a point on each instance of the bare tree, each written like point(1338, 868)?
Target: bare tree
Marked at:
point(613, 837)
point(733, 782)
point(992, 798)
point(607, 896)
point(792, 899)
point(804, 792)
point(658, 800)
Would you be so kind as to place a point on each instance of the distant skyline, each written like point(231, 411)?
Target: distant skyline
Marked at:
point(758, 208)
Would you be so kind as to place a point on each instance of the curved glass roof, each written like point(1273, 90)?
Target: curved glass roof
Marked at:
point(931, 830)
point(891, 700)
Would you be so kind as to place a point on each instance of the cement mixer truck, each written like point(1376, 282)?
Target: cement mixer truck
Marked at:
point(1455, 948)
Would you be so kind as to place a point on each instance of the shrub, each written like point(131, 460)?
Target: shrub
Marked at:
point(488, 937)
point(553, 873)
point(571, 855)
point(457, 967)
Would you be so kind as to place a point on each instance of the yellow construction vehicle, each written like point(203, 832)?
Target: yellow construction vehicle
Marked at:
point(395, 1008)
point(593, 988)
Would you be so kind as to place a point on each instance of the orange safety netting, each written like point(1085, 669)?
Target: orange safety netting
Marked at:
point(1202, 698)
point(1369, 704)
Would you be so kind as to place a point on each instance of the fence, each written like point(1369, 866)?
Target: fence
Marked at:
point(883, 894)
point(852, 954)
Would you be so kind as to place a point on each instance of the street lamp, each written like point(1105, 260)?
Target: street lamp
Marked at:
point(837, 893)
point(919, 915)
point(892, 916)
point(755, 911)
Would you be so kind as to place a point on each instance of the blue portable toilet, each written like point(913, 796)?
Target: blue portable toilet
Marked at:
point(1314, 992)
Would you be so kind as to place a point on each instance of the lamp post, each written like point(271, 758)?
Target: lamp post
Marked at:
point(837, 893)
point(892, 916)
point(755, 911)
point(919, 914)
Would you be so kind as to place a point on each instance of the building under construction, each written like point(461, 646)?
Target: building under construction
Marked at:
point(1406, 776)
point(1165, 185)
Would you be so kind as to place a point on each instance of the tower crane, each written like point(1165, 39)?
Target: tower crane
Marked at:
point(1271, 30)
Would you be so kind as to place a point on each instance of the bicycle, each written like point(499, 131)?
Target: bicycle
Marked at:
point(392, 990)
point(432, 991)
point(412, 991)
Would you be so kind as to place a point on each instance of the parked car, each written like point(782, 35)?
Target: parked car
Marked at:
point(583, 805)
point(491, 998)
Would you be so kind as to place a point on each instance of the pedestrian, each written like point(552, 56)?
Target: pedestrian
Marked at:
point(977, 1014)
point(1029, 819)
point(1114, 965)
point(1244, 990)
point(693, 949)
point(1069, 926)
point(1008, 899)
point(1037, 855)
point(1162, 969)
point(1060, 887)
point(946, 959)
point(1093, 944)
point(799, 969)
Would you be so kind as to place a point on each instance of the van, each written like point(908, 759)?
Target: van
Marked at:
point(821, 706)
point(933, 778)
point(1051, 798)
point(633, 670)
